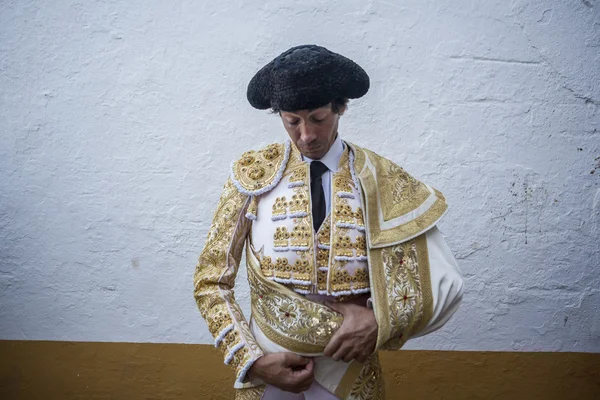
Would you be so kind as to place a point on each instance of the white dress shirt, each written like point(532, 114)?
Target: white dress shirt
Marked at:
point(331, 159)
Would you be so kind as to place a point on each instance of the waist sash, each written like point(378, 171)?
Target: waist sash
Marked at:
point(292, 321)
point(301, 326)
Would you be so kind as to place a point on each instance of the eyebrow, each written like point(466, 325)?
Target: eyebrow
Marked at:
point(310, 111)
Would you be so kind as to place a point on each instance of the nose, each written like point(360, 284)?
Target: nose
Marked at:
point(307, 133)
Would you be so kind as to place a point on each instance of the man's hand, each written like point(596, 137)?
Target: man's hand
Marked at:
point(287, 371)
point(357, 336)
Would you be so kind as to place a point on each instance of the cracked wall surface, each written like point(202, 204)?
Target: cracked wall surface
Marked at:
point(119, 121)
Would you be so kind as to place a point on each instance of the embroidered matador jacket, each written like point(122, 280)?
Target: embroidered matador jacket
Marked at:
point(380, 237)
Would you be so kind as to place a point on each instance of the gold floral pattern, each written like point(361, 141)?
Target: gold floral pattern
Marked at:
point(298, 324)
point(214, 278)
point(370, 384)
point(252, 393)
point(393, 219)
point(402, 287)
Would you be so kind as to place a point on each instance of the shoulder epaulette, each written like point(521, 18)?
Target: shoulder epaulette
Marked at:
point(258, 171)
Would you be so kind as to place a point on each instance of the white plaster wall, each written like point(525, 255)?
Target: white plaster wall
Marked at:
point(119, 119)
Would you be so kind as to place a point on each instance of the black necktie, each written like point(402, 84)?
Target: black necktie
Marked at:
point(317, 169)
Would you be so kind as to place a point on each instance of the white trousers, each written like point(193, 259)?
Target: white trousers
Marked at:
point(314, 392)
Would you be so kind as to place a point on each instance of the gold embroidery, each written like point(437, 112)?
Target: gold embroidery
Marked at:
point(370, 384)
point(323, 236)
point(322, 258)
point(298, 177)
point(403, 287)
point(346, 281)
point(284, 271)
point(300, 236)
point(342, 183)
point(345, 227)
point(378, 187)
point(343, 213)
point(288, 319)
point(361, 246)
point(253, 393)
point(296, 162)
point(219, 318)
point(322, 280)
point(359, 219)
point(403, 193)
point(303, 289)
point(301, 272)
point(281, 238)
point(279, 209)
point(266, 266)
point(258, 169)
point(252, 208)
point(343, 246)
point(214, 279)
point(402, 291)
point(299, 206)
point(323, 244)
point(282, 268)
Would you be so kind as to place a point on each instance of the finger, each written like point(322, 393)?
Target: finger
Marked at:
point(302, 379)
point(310, 367)
point(341, 352)
point(299, 381)
point(334, 344)
point(351, 355)
point(304, 373)
point(291, 359)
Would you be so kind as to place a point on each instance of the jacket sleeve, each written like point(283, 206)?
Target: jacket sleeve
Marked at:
point(214, 279)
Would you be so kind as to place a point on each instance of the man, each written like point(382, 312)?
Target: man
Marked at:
point(343, 255)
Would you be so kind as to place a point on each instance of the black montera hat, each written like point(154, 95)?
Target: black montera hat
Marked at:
point(306, 77)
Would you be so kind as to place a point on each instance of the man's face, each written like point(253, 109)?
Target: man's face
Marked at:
point(312, 131)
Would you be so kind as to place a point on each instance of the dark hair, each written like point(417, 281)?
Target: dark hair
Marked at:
point(336, 105)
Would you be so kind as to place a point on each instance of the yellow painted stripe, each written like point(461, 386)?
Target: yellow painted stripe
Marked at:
point(92, 370)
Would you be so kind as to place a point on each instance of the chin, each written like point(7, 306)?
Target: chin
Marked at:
point(314, 155)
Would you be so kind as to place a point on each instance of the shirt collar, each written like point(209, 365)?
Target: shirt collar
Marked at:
point(332, 158)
